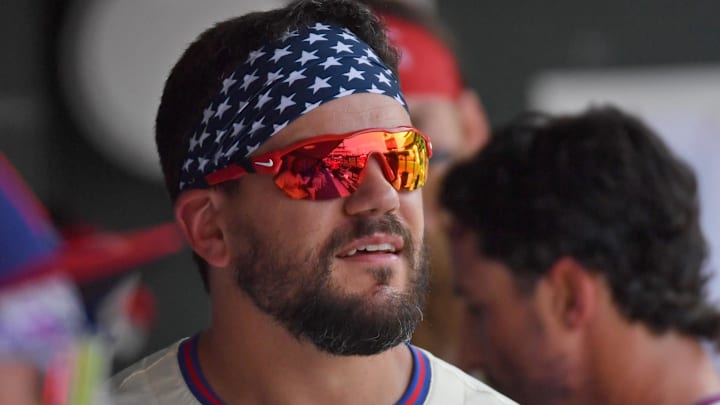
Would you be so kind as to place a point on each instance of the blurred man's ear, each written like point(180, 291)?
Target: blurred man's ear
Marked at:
point(474, 120)
point(575, 293)
point(197, 213)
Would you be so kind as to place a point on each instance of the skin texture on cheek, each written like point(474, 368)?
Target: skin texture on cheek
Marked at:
point(411, 210)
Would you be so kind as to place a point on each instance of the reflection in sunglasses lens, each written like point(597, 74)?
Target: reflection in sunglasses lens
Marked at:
point(333, 169)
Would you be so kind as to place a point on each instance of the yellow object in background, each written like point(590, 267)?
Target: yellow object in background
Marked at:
point(76, 377)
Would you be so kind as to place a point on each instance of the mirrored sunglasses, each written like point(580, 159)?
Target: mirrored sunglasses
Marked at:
point(332, 166)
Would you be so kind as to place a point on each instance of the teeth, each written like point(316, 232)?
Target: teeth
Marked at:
point(383, 247)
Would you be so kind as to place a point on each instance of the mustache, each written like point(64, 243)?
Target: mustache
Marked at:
point(362, 227)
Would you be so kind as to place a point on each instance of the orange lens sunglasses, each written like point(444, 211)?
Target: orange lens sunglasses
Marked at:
point(332, 166)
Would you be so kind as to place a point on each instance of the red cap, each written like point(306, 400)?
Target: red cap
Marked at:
point(427, 66)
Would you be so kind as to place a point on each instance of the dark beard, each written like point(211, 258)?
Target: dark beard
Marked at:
point(296, 290)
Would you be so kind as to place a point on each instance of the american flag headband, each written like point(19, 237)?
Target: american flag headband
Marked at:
point(277, 84)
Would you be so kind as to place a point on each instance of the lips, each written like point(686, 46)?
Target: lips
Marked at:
point(376, 244)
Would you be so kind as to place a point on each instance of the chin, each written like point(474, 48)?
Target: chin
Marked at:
point(387, 293)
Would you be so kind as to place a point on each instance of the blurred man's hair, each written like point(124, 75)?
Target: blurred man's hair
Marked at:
point(600, 187)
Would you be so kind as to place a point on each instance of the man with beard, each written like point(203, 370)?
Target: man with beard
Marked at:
point(579, 256)
point(315, 291)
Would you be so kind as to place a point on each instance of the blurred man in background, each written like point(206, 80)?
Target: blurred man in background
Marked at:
point(452, 115)
point(579, 255)
point(61, 301)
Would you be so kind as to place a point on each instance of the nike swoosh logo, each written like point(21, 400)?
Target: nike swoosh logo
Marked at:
point(269, 163)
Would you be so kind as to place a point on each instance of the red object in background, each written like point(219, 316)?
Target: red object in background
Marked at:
point(140, 307)
point(31, 246)
point(427, 66)
point(104, 254)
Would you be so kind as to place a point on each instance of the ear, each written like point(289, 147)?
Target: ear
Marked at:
point(474, 120)
point(575, 292)
point(197, 212)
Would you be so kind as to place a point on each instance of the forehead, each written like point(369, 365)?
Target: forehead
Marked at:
point(346, 114)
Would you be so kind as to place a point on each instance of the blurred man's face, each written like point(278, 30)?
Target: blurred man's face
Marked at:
point(509, 335)
point(439, 119)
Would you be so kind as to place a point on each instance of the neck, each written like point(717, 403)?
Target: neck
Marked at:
point(648, 368)
point(248, 357)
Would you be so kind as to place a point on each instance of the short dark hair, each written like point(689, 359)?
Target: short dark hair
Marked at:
point(600, 187)
point(197, 76)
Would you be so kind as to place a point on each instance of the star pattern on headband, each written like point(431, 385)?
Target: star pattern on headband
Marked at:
point(277, 84)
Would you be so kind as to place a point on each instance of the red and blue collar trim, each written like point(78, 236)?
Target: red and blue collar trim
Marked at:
point(415, 394)
point(417, 390)
point(193, 375)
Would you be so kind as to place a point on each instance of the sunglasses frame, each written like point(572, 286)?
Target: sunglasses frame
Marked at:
point(271, 162)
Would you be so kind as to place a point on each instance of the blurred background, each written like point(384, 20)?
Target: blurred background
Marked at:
point(80, 82)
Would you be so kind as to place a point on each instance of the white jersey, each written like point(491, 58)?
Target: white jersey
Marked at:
point(173, 376)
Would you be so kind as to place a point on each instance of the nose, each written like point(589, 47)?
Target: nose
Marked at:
point(375, 195)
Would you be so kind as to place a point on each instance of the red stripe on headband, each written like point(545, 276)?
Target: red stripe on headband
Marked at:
point(427, 66)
